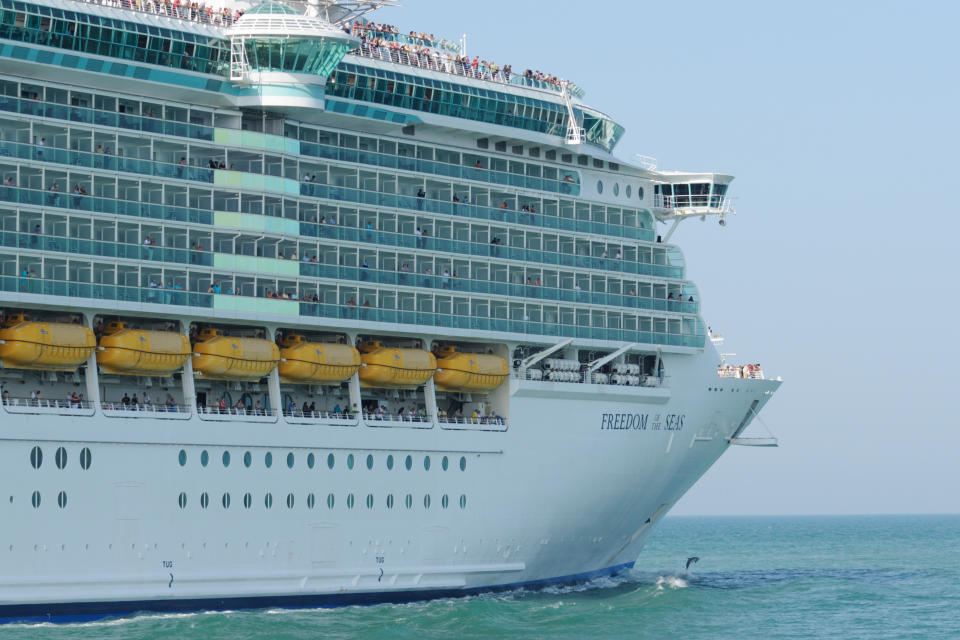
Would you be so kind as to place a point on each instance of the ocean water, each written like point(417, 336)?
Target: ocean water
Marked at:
point(774, 577)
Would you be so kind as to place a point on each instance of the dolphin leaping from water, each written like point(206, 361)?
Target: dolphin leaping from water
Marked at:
point(691, 560)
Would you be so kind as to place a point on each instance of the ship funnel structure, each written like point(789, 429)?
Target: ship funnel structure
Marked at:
point(282, 58)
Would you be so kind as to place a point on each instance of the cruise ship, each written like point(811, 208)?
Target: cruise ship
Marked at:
point(301, 309)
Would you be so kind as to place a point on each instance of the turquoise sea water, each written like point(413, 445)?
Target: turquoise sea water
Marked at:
point(774, 577)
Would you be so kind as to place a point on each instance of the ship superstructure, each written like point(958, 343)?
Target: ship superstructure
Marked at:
point(301, 310)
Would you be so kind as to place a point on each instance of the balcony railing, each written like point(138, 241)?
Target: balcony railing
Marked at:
point(713, 203)
point(181, 11)
point(446, 62)
point(32, 285)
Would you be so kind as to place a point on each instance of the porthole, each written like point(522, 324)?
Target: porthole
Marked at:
point(408, 501)
point(426, 501)
point(247, 459)
point(350, 501)
point(463, 502)
point(86, 458)
point(331, 460)
point(268, 459)
point(182, 500)
point(204, 500)
point(629, 190)
point(616, 188)
point(290, 460)
point(36, 457)
point(62, 499)
point(390, 501)
point(268, 500)
point(182, 458)
point(247, 501)
point(426, 463)
point(225, 501)
point(369, 501)
point(290, 501)
point(369, 462)
point(60, 457)
point(599, 186)
point(445, 501)
point(35, 499)
point(311, 501)
point(390, 462)
point(445, 463)
point(311, 460)
point(639, 193)
point(226, 458)
point(408, 463)
point(204, 458)
point(330, 501)
point(350, 461)
point(463, 463)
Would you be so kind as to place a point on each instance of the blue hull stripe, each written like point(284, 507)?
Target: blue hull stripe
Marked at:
point(66, 612)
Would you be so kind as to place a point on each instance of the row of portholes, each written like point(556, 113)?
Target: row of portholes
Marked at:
point(628, 191)
point(61, 499)
point(445, 462)
point(247, 501)
point(60, 458)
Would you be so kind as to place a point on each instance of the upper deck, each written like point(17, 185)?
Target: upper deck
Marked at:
point(149, 37)
point(344, 216)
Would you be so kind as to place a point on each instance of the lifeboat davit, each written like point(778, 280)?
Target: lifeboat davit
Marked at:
point(393, 368)
point(48, 346)
point(469, 372)
point(220, 357)
point(132, 352)
point(303, 362)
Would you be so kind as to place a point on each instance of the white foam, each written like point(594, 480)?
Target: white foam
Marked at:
point(670, 582)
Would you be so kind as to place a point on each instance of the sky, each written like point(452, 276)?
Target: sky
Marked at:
point(839, 271)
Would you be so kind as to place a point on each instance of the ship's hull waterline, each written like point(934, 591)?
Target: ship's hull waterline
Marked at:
point(571, 489)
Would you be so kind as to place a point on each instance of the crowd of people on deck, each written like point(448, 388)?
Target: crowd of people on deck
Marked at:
point(423, 50)
point(182, 9)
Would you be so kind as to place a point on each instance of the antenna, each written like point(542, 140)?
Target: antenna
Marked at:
point(575, 133)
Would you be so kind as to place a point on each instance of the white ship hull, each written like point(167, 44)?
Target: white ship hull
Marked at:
point(570, 489)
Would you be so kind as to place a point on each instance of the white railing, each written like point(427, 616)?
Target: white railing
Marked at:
point(85, 407)
point(496, 421)
point(747, 371)
point(714, 203)
point(183, 10)
point(146, 407)
point(15, 404)
point(404, 417)
point(582, 377)
point(444, 62)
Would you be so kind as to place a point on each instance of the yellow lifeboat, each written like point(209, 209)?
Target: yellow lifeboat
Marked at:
point(393, 368)
point(49, 346)
point(132, 352)
point(221, 357)
point(303, 362)
point(469, 372)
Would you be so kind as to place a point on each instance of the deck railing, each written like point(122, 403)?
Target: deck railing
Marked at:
point(202, 14)
point(445, 62)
